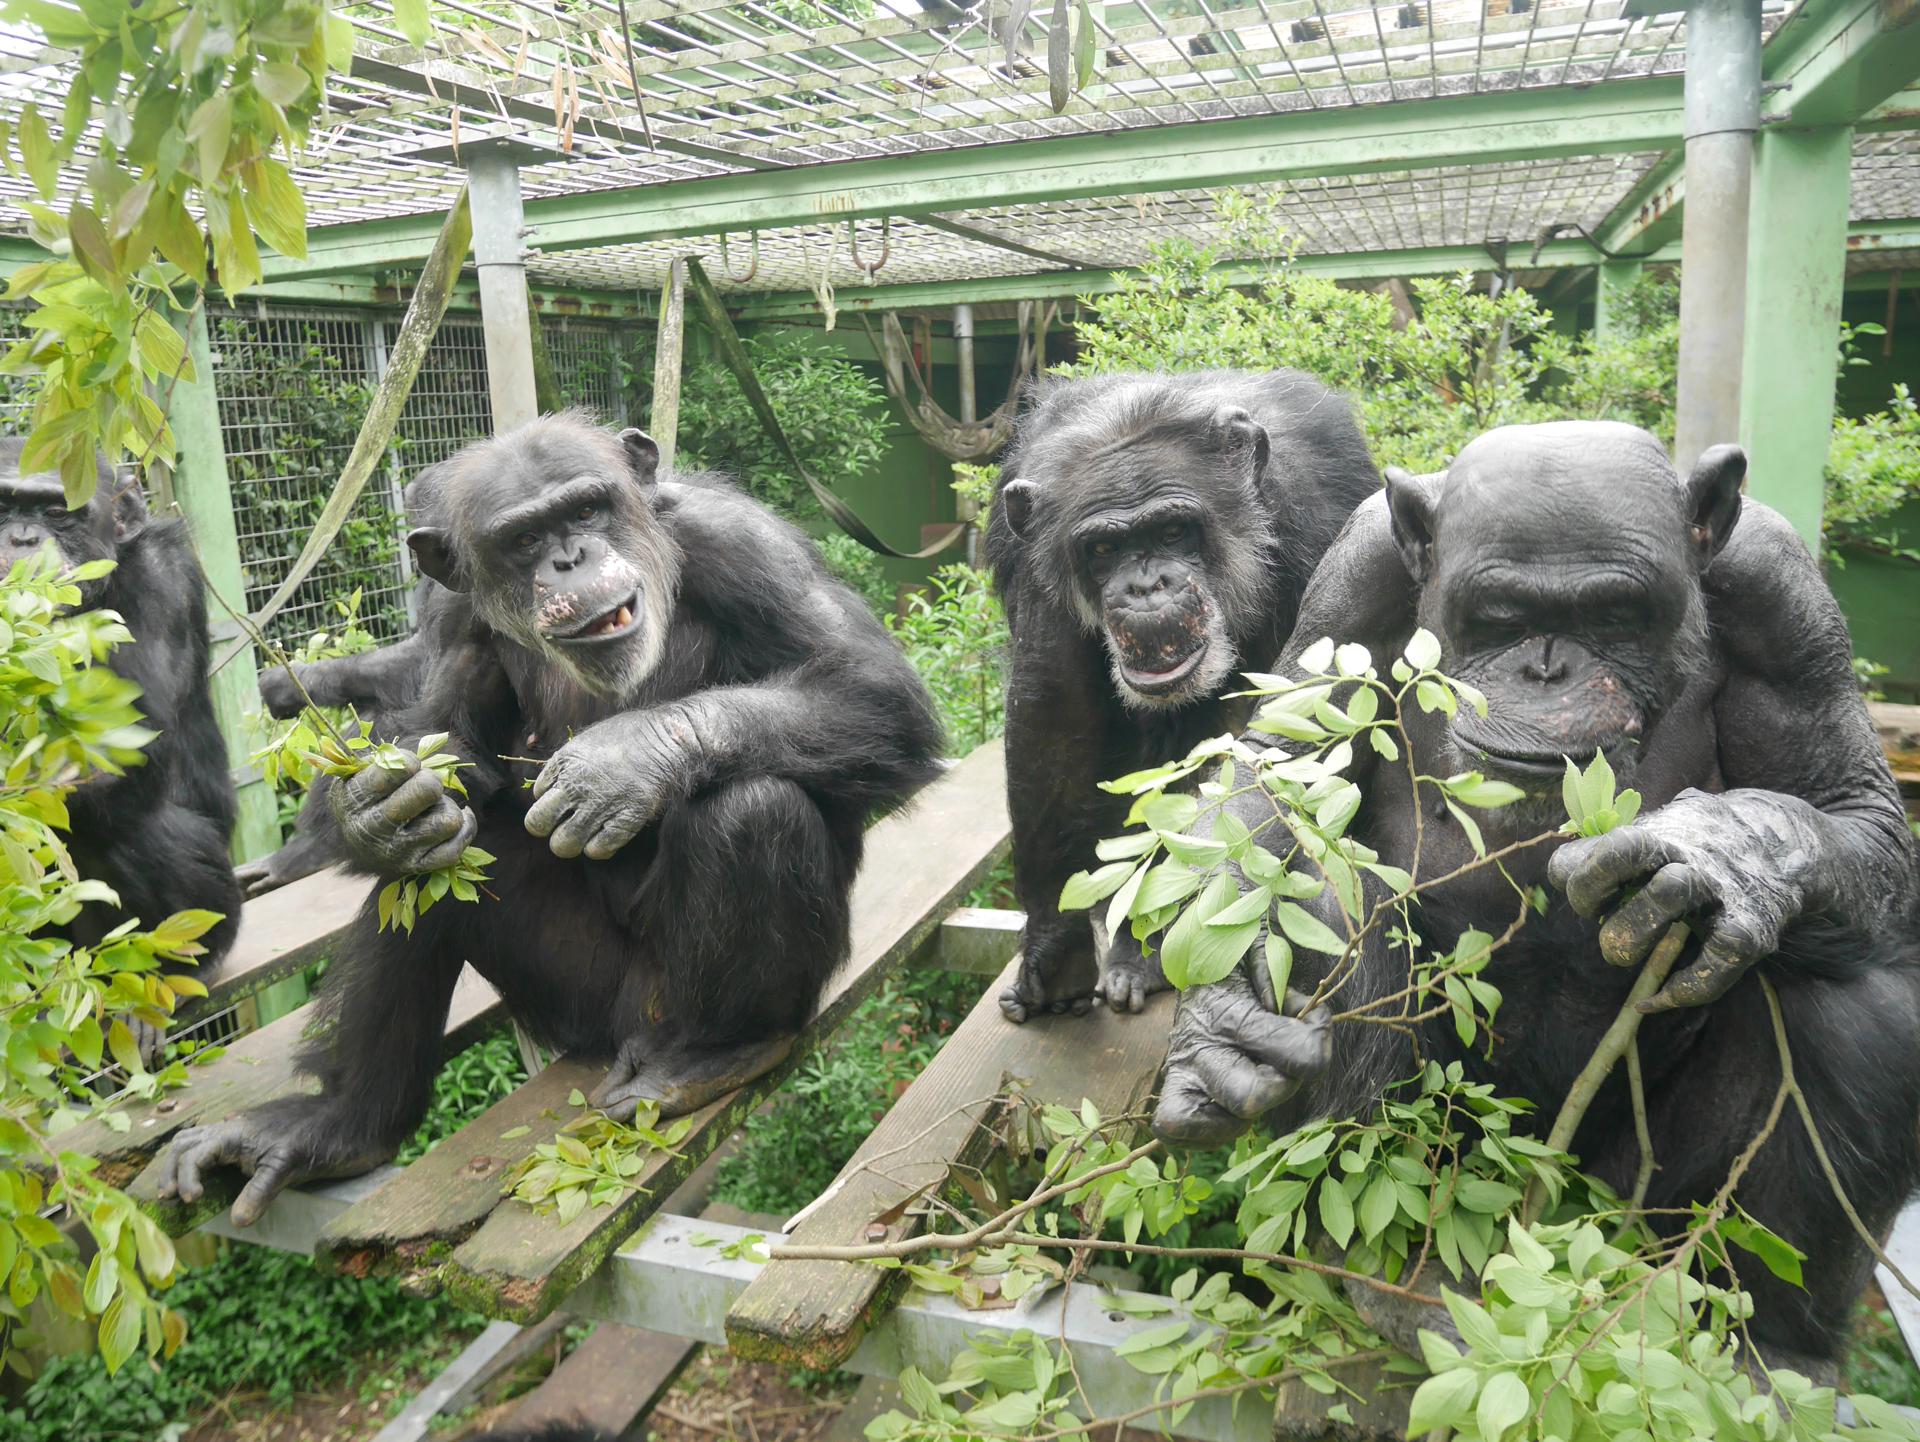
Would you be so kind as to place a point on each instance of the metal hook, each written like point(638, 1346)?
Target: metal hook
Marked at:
point(753, 267)
point(886, 243)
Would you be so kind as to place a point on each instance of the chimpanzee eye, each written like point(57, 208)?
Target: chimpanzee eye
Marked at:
point(1174, 532)
point(1101, 548)
point(587, 512)
point(527, 540)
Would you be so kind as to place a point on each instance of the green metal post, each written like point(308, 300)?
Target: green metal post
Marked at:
point(1616, 278)
point(1797, 272)
point(200, 488)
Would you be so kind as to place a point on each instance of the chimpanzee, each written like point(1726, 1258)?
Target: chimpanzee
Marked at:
point(157, 834)
point(708, 721)
point(379, 685)
point(1601, 604)
point(1151, 534)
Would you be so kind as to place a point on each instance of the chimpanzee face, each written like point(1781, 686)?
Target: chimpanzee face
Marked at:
point(34, 514)
point(1157, 539)
point(1560, 566)
point(551, 528)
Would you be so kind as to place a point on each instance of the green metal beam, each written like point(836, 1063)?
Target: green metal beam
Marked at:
point(1797, 271)
point(1348, 140)
point(1649, 217)
point(1836, 60)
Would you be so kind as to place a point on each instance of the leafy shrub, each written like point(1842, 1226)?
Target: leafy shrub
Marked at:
point(261, 1320)
point(1873, 469)
point(467, 1085)
point(955, 635)
point(832, 411)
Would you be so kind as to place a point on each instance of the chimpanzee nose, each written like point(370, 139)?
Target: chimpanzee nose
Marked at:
point(1142, 586)
point(1546, 669)
point(566, 560)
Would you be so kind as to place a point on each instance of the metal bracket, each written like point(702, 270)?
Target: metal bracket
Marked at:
point(886, 245)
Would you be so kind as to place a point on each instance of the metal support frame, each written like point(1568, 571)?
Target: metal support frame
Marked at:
point(1722, 114)
point(1797, 278)
point(493, 177)
point(1615, 278)
point(200, 488)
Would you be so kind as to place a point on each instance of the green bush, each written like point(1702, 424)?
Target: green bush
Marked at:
point(1873, 469)
point(955, 635)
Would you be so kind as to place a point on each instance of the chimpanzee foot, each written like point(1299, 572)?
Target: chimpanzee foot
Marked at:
point(1066, 984)
point(682, 1079)
point(274, 1151)
point(1128, 976)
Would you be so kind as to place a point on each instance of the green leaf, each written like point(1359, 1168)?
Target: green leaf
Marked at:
point(1471, 827)
point(1279, 966)
point(1084, 888)
point(1473, 789)
point(1336, 1210)
point(36, 150)
point(278, 210)
point(1377, 1206)
point(1195, 954)
point(1442, 1400)
point(1423, 653)
point(1086, 46)
point(1504, 1403)
point(1303, 928)
point(414, 22)
point(1145, 1341)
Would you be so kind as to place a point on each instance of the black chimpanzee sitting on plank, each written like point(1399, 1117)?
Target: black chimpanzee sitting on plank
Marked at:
point(159, 833)
point(1603, 604)
point(1150, 539)
point(711, 722)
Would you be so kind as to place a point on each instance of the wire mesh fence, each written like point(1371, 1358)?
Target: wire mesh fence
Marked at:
point(294, 385)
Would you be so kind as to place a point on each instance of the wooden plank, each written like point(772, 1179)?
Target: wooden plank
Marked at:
point(255, 1069)
point(815, 1313)
point(438, 1200)
point(609, 1382)
point(1899, 731)
point(280, 933)
point(499, 1346)
point(978, 940)
point(520, 1264)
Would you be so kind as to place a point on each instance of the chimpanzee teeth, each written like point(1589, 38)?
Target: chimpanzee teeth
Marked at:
point(623, 617)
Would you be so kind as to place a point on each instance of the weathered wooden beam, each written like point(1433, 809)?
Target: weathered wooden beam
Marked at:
point(815, 1313)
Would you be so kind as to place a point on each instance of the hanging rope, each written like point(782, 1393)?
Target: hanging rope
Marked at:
point(957, 439)
point(734, 354)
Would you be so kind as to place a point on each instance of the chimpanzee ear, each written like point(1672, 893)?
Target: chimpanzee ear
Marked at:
point(433, 553)
point(130, 514)
point(1713, 499)
point(1243, 438)
point(1017, 499)
point(643, 455)
point(1410, 501)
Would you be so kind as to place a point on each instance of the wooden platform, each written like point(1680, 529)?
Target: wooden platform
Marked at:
point(442, 1221)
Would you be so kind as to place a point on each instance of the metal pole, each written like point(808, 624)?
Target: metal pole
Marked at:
point(493, 179)
point(664, 421)
point(969, 409)
point(1722, 112)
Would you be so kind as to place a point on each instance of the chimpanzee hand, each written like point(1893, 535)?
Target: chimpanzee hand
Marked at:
point(274, 1149)
point(283, 699)
point(397, 822)
point(1233, 1057)
point(602, 788)
point(1737, 866)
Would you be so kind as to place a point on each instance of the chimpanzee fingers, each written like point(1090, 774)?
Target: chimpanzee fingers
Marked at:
point(1295, 1046)
point(195, 1149)
point(1243, 1086)
point(459, 827)
point(1731, 948)
point(1186, 1116)
point(1631, 932)
point(550, 809)
point(416, 796)
point(371, 783)
point(1593, 870)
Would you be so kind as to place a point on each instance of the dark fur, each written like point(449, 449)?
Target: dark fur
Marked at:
point(718, 924)
point(1761, 719)
point(159, 834)
point(1111, 442)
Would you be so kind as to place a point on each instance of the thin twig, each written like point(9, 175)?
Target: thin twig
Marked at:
point(1637, 1091)
point(1792, 1085)
point(1613, 1045)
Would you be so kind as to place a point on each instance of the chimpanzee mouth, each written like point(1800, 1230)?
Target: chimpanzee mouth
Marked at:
point(607, 626)
point(1158, 683)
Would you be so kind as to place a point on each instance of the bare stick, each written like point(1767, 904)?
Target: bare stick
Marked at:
point(1613, 1045)
point(1788, 1080)
point(1642, 1132)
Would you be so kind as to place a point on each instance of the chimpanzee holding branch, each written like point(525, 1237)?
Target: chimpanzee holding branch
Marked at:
point(709, 721)
point(1150, 538)
point(1603, 604)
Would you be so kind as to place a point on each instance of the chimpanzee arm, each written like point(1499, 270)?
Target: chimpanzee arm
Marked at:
point(376, 682)
point(1810, 823)
point(825, 697)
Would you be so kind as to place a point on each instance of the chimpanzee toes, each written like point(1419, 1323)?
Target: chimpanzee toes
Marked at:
point(1013, 1005)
